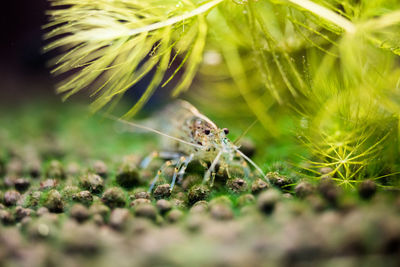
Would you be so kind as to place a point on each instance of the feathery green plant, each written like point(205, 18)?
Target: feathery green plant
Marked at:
point(331, 63)
point(114, 44)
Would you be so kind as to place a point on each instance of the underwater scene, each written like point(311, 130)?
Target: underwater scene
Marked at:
point(200, 133)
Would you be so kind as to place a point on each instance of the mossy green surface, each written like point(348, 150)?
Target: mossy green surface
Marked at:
point(101, 220)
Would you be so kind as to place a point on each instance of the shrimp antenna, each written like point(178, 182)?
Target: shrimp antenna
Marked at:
point(245, 132)
point(149, 129)
point(252, 163)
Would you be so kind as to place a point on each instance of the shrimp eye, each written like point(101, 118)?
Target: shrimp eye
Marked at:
point(226, 130)
point(206, 131)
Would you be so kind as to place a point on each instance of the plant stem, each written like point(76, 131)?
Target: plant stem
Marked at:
point(327, 14)
point(171, 21)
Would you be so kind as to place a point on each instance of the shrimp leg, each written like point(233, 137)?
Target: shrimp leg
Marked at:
point(182, 170)
point(178, 166)
point(160, 171)
point(163, 155)
point(211, 169)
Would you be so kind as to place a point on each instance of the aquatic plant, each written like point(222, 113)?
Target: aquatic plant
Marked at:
point(330, 64)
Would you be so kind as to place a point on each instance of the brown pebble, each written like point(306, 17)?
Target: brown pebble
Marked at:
point(146, 211)
point(34, 198)
point(258, 186)
point(178, 203)
point(174, 216)
point(99, 209)
point(128, 175)
point(367, 189)
point(142, 194)
point(42, 211)
point(92, 182)
point(304, 189)
point(329, 190)
point(100, 168)
point(69, 192)
point(98, 219)
point(267, 200)
point(48, 184)
point(197, 193)
point(162, 191)
point(237, 185)
point(114, 197)
point(221, 212)
point(199, 207)
point(22, 184)
point(6, 217)
point(79, 239)
point(11, 197)
point(139, 201)
point(21, 213)
point(84, 197)
point(79, 212)
point(316, 202)
point(163, 206)
point(119, 218)
point(279, 180)
point(54, 201)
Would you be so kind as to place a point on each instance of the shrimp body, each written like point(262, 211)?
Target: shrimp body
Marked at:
point(189, 135)
point(182, 120)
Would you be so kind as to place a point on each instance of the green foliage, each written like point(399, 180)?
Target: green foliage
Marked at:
point(330, 65)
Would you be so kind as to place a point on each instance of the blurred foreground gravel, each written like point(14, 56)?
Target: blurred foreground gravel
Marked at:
point(61, 206)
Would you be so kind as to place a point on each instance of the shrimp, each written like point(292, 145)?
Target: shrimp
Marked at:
point(189, 135)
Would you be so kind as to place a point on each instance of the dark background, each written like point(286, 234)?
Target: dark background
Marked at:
point(23, 72)
point(24, 75)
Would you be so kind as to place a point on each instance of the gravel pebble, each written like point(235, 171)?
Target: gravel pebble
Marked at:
point(128, 175)
point(146, 211)
point(48, 184)
point(79, 212)
point(84, 197)
point(267, 200)
point(139, 201)
point(329, 190)
point(54, 201)
point(142, 194)
point(367, 189)
point(119, 218)
point(221, 212)
point(304, 189)
point(114, 197)
point(278, 180)
point(21, 213)
point(197, 193)
point(92, 182)
point(258, 186)
point(11, 197)
point(162, 191)
point(55, 170)
point(100, 168)
point(22, 184)
point(174, 215)
point(237, 185)
point(163, 206)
